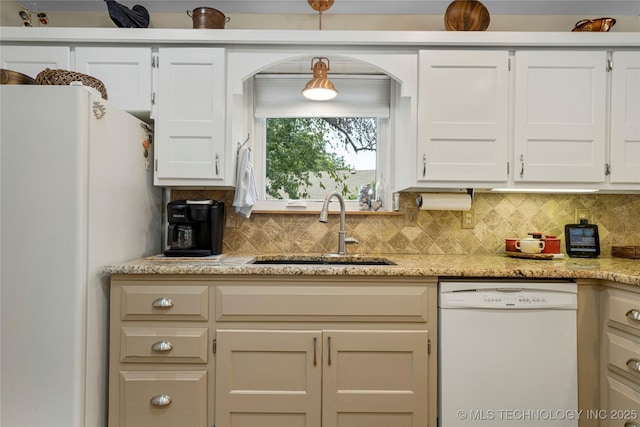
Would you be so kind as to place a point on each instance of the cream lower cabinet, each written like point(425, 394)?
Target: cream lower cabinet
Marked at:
point(160, 373)
point(325, 353)
point(272, 351)
point(621, 351)
point(323, 378)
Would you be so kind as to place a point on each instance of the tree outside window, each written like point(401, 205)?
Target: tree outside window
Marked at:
point(307, 157)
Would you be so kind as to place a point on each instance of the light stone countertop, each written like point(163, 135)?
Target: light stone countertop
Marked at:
point(621, 270)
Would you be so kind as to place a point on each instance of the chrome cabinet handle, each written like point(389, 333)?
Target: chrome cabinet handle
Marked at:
point(163, 302)
point(633, 314)
point(162, 346)
point(634, 364)
point(521, 165)
point(424, 165)
point(630, 424)
point(217, 164)
point(329, 351)
point(160, 400)
point(315, 345)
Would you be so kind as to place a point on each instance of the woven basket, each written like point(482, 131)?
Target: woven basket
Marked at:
point(65, 77)
point(9, 77)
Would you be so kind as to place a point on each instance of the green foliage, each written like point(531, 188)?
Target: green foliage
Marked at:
point(296, 151)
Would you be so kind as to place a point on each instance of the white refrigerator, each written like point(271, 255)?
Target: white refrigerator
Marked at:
point(76, 194)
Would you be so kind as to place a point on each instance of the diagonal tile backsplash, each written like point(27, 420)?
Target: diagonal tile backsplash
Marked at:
point(498, 216)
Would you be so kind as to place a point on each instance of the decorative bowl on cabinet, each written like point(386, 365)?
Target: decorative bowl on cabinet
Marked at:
point(466, 15)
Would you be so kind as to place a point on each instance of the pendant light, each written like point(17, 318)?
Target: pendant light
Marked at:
point(320, 6)
point(319, 88)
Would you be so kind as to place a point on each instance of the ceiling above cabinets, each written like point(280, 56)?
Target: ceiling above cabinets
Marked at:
point(396, 7)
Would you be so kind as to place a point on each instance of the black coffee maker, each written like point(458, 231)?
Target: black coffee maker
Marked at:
point(195, 228)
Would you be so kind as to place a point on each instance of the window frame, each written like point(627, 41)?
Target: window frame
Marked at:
point(383, 158)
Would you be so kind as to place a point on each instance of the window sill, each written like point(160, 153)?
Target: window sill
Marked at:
point(313, 207)
point(308, 211)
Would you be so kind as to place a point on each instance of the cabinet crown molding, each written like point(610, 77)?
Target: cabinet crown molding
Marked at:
point(230, 37)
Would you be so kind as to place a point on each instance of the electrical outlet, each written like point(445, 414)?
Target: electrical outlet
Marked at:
point(410, 216)
point(583, 214)
point(230, 218)
point(469, 219)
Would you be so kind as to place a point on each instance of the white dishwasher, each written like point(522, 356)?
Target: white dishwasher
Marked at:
point(507, 353)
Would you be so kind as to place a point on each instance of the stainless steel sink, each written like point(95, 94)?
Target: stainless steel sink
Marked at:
point(328, 259)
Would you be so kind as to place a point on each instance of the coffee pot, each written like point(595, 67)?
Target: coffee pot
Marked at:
point(195, 228)
point(180, 236)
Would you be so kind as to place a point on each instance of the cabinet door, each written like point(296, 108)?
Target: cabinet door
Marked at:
point(375, 378)
point(30, 60)
point(560, 116)
point(190, 123)
point(125, 72)
point(463, 116)
point(268, 378)
point(625, 118)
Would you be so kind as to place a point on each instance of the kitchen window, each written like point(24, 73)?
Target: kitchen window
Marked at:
point(306, 149)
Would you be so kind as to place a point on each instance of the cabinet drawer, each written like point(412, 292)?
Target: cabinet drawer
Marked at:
point(354, 303)
point(163, 399)
point(163, 345)
point(624, 308)
point(624, 405)
point(624, 353)
point(165, 303)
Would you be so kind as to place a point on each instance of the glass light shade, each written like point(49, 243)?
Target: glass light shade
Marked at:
point(319, 88)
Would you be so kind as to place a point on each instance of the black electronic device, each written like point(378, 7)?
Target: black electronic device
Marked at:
point(195, 228)
point(582, 240)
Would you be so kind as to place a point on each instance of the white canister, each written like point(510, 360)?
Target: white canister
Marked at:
point(530, 245)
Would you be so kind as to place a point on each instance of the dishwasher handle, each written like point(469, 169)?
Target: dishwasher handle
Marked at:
point(509, 290)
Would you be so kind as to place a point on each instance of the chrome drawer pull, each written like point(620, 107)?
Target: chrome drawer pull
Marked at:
point(163, 302)
point(630, 424)
point(634, 364)
point(160, 400)
point(633, 314)
point(162, 346)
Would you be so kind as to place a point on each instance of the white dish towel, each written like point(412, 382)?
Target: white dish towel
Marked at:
point(246, 191)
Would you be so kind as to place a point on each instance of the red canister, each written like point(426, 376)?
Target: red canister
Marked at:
point(551, 244)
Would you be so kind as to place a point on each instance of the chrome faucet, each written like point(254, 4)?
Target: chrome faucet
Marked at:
point(324, 217)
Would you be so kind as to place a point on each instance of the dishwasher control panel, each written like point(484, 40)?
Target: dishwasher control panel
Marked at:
point(513, 296)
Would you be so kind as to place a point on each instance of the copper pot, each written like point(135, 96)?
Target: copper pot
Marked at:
point(207, 17)
point(600, 24)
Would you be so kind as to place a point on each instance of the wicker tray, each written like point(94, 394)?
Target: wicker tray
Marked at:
point(65, 77)
point(626, 251)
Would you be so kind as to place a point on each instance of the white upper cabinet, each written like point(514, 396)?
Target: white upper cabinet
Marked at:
point(625, 118)
point(463, 117)
point(560, 116)
point(190, 123)
point(31, 60)
point(125, 72)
